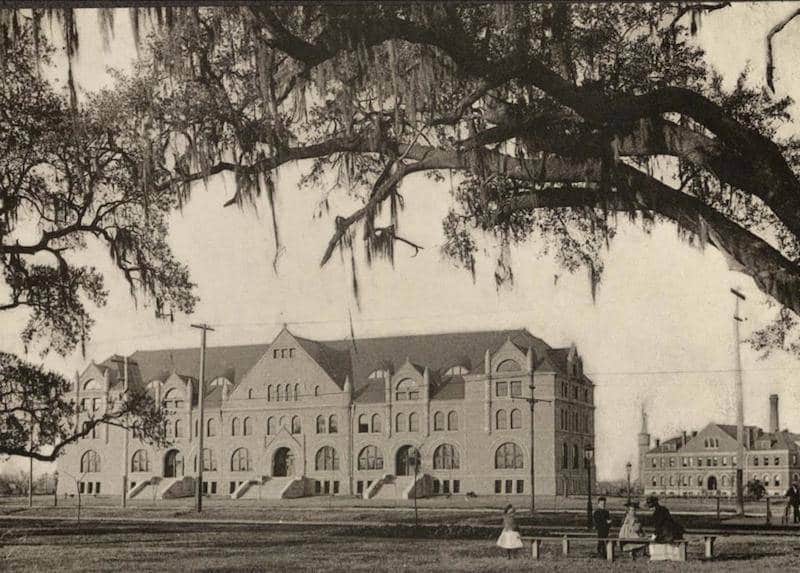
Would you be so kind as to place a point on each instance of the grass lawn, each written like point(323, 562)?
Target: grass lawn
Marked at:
point(47, 546)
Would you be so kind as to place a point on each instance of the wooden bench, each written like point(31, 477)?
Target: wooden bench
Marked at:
point(611, 542)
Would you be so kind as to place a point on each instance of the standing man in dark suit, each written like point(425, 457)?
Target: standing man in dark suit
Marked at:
point(602, 524)
point(793, 494)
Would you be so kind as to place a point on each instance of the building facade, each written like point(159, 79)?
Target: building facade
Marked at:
point(705, 462)
point(348, 417)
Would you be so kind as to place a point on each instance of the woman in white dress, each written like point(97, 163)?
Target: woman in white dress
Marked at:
point(509, 539)
point(632, 529)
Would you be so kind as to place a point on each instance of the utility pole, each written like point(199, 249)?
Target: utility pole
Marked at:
point(30, 468)
point(739, 406)
point(126, 461)
point(200, 391)
point(531, 403)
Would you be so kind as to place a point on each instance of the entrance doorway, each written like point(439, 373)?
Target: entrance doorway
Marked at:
point(173, 464)
point(402, 467)
point(283, 463)
point(712, 483)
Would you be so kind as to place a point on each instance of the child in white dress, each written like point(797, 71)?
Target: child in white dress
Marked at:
point(509, 539)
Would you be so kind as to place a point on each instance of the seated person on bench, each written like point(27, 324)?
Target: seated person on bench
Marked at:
point(667, 529)
point(632, 529)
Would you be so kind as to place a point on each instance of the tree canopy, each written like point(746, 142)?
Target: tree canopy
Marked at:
point(558, 120)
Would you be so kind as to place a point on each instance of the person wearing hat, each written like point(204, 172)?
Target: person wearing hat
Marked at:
point(602, 524)
point(793, 498)
point(509, 539)
point(667, 529)
point(631, 529)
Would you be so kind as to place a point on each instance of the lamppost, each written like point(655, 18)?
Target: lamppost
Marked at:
point(588, 454)
point(55, 488)
point(628, 467)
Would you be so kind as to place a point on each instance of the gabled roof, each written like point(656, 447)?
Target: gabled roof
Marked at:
point(231, 362)
point(667, 446)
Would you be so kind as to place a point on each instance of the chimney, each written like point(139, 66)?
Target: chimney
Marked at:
point(684, 437)
point(774, 426)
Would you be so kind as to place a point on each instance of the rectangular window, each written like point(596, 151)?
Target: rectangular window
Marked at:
point(699, 462)
point(456, 485)
point(317, 487)
point(683, 462)
point(715, 461)
point(766, 461)
point(509, 486)
point(501, 389)
point(724, 460)
point(205, 488)
point(498, 486)
point(755, 460)
point(91, 485)
point(654, 462)
point(734, 461)
point(213, 488)
point(777, 461)
point(327, 488)
point(232, 487)
point(97, 487)
point(520, 486)
point(516, 388)
point(360, 487)
point(446, 486)
point(436, 485)
point(275, 353)
point(335, 487)
point(363, 426)
point(82, 487)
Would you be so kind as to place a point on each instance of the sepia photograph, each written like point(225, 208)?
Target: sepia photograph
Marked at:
point(381, 286)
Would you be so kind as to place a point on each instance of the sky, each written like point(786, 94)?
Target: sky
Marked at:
point(659, 335)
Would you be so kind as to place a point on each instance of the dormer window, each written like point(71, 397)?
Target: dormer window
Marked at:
point(406, 390)
point(92, 385)
point(457, 371)
point(509, 366)
point(380, 373)
point(173, 400)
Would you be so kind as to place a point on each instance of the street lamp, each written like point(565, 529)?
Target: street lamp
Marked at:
point(628, 467)
point(55, 488)
point(588, 454)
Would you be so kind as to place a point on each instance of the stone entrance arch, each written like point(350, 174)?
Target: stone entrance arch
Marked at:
point(283, 463)
point(173, 464)
point(711, 484)
point(402, 467)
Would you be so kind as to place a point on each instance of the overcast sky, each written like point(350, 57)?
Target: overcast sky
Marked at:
point(659, 334)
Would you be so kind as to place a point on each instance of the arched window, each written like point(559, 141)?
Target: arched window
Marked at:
point(370, 458)
point(452, 421)
point(247, 427)
point(327, 460)
point(270, 426)
point(724, 481)
point(333, 424)
point(564, 456)
point(380, 373)
point(501, 420)
point(376, 424)
point(209, 462)
point(401, 423)
point(269, 393)
point(671, 481)
point(178, 428)
point(321, 425)
point(90, 462)
point(140, 462)
point(296, 427)
point(211, 427)
point(516, 419)
point(250, 394)
point(240, 460)
point(363, 424)
point(413, 422)
point(438, 421)
point(173, 399)
point(445, 457)
point(282, 422)
point(316, 390)
point(235, 427)
point(169, 430)
point(406, 390)
point(197, 428)
point(297, 391)
point(575, 457)
point(508, 457)
point(279, 392)
point(509, 366)
point(92, 385)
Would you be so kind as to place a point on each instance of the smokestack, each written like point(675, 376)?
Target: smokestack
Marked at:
point(658, 442)
point(774, 426)
point(684, 437)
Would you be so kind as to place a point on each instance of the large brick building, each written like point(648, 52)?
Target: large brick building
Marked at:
point(705, 462)
point(303, 417)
